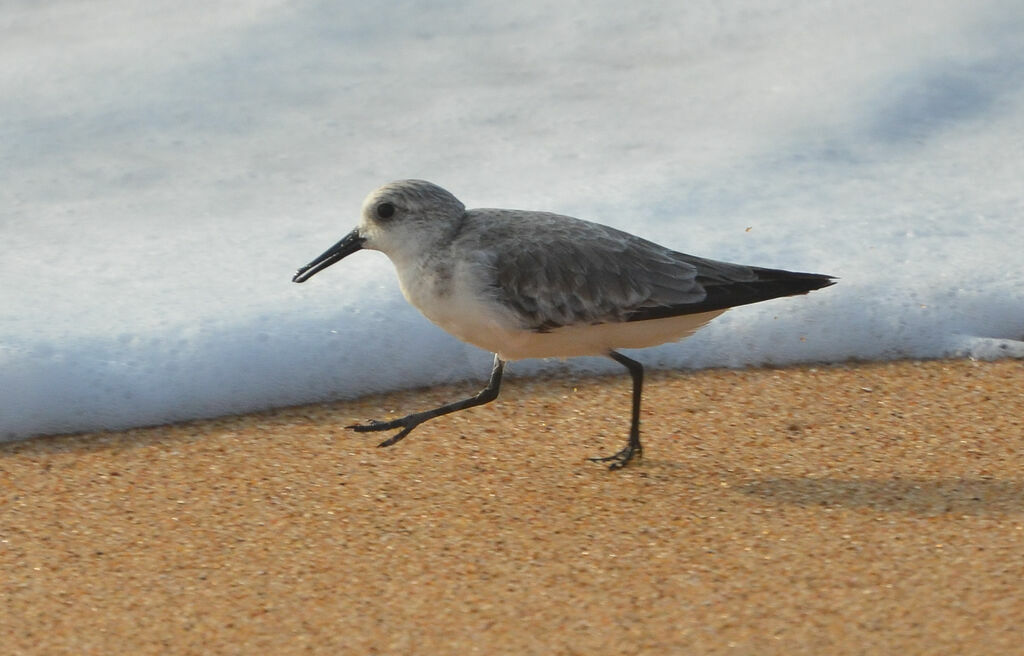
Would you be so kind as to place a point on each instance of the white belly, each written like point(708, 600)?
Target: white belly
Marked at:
point(572, 341)
point(496, 331)
point(462, 309)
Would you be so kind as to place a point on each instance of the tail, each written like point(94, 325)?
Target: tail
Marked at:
point(766, 284)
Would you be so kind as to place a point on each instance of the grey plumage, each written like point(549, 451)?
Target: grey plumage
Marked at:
point(555, 270)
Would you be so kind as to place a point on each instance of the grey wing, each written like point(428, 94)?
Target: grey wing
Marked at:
point(555, 271)
point(559, 271)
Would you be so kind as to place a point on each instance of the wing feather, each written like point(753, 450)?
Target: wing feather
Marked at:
point(553, 270)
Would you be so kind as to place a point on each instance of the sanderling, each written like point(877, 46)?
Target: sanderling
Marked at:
point(535, 285)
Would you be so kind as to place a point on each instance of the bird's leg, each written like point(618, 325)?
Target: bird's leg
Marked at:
point(633, 448)
point(409, 422)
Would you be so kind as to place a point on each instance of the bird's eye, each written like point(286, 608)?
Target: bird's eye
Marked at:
point(385, 210)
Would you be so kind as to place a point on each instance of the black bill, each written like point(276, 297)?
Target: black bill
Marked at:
point(349, 244)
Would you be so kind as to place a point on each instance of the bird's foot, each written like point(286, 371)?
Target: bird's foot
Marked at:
point(622, 458)
point(405, 423)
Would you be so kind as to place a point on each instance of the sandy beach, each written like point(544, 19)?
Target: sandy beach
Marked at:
point(851, 509)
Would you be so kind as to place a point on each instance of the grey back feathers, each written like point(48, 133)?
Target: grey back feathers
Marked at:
point(555, 270)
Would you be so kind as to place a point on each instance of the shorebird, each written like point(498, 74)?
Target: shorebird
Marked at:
point(524, 284)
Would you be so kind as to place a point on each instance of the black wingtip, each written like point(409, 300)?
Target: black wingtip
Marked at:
point(798, 282)
point(769, 284)
point(725, 294)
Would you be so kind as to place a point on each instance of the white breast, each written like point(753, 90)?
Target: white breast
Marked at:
point(455, 300)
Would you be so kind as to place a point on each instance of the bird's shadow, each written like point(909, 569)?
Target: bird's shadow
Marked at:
point(920, 496)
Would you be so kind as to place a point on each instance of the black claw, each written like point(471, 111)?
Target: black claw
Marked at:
point(374, 425)
point(622, 458)
point(395, 438)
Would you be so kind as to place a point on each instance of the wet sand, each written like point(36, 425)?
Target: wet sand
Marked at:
point(854, 509)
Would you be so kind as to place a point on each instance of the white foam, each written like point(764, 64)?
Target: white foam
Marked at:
point(162, 176)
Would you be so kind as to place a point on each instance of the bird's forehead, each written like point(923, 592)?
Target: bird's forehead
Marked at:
point(415, 196)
